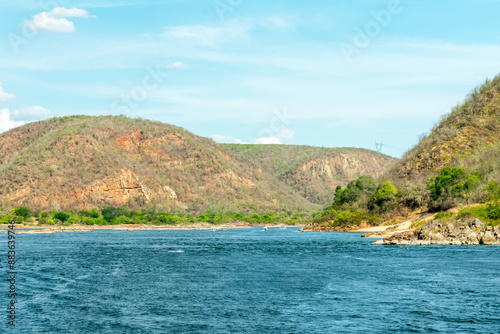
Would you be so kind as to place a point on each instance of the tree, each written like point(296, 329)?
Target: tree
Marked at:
point(385, 196)
point(359, 190)
point(338, 195)
point(108, 213)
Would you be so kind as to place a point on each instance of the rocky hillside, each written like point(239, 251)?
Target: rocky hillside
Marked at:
point(84, 162)
point(468, 137)
point(315, 172)
point(456, 164)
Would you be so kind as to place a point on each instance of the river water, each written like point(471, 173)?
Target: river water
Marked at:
point(249, 281)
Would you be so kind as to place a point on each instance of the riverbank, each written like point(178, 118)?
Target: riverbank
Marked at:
point(37, 229)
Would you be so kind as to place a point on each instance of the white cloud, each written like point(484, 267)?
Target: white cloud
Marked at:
point(6, 123)
point(208, 35)
point(30, 113)
point(115, 3)
point(55, 20)
point(4, 96)
point(72, 12)
point(226, 139)
point(177, 64)
point(280, 138)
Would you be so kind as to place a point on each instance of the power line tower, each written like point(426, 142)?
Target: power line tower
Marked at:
point(379, 147)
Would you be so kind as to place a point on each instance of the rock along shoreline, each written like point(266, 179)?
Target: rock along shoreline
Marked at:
point(460, 232)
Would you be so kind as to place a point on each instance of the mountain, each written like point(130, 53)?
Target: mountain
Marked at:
point(81, 162)
point(314, 172)
point(456, 164)
point(467, 137)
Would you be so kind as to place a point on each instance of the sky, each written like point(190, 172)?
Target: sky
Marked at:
point(336, 73)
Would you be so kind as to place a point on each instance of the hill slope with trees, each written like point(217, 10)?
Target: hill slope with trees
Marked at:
point(84, 162)
point(455, 165)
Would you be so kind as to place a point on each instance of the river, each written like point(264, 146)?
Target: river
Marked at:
point(249, 281)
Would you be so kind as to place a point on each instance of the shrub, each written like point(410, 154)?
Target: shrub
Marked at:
point(415, 197)
point(24, 212)
point(109, 213)
point(74, 220)
point(489, 213)
point(94, 213)
point(123, 220)
point(44, 214)
point(7, 219)
point(493, 211)
point(340, 218)
point(93, 221)
point(451, 187)
point(61, 216)
point(472, 183)
point(443, 215)
point(493, 190)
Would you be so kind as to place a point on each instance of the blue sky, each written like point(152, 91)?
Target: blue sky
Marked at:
point(322, 73)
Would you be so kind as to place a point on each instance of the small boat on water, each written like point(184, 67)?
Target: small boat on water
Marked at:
point(265, 228)
point(283, 227)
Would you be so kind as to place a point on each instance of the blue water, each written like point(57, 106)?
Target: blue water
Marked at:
point(249, 281)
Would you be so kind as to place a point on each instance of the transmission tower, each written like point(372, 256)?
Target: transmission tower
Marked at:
point(379, 146)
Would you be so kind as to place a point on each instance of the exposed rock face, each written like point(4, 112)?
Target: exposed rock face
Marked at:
point(346, 166)
point(314, 172)
point(453, 233)
point(317, 179)
point(119, 189)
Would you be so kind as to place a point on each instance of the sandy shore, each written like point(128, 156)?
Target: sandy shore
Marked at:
point(389, 230)
point(397, 228)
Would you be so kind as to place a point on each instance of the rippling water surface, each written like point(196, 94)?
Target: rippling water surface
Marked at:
point(250, 281)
